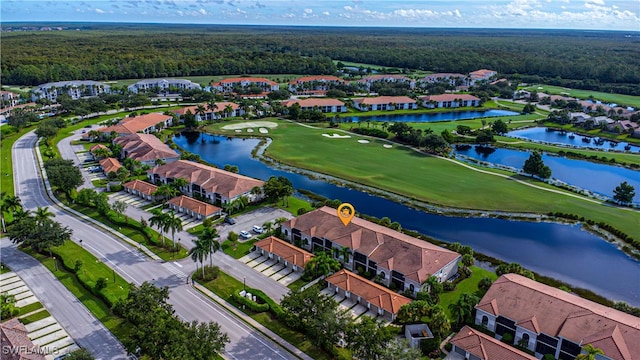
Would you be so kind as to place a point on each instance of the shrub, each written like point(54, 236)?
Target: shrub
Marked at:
point(252, 305)
point(430, 345)
point(77, 266)
point(101, 284)
point(507, 338)
point(115, 188)
point(371, 132)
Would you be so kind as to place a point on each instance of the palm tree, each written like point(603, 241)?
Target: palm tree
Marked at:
point(208, 239)
point(267, 226)
point(228, 110)
point(241, 202)
point(463, 308)
point(42, 214)
point(179, 183)
point(345, 252)
point(279, 221)
point(9, 203)
point(212, 107)
point(591, 352)
point(201, 111)
point(159, 220)
point(101, 153)
point(199, 253)
point(174, 223)
point(166, 191)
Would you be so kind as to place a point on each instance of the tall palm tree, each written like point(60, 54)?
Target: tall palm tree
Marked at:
point(180, 183)
point(8, 203)
point(42, 214)
point(199, 253)
point(201, 111)
point(208, 238)
point(166, 191)
point(174, 223)
point(267, 226)
point(591, 352)
point(159, 220)
point(212, 107)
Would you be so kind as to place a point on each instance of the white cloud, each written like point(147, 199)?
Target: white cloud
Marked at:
point(597, 2)
point(325, 13)
point(99, 11)
point(308, 11)
point(203, 11)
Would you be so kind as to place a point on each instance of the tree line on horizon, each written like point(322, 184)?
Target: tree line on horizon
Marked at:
point(601, 61)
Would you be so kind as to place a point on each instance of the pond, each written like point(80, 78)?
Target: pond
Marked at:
point(560, 251)
point(598, 178)
point(541, 134)
point(432, 117)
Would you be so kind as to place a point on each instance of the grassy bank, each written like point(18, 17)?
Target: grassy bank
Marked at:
point(6, 161)
point(434, 180)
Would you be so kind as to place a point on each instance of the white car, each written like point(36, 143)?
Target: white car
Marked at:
point(258, 229)
point(245, 234)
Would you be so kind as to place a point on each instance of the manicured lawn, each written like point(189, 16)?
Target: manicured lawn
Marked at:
point(296, 285)
point(31, 307)
point(585, 94)
point(239, 249)
point(226, 285)
point(426, 178)
point(97, 307)
point(131, 230)
point(35, 317)
point(466, 286)
point(357, 65)
point(293, 204)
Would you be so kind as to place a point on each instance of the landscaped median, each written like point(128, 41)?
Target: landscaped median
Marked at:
point(228, 288)
point(82, 282)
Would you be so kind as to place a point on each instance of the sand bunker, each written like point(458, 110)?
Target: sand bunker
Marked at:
point(250, 124)
point(249, 130)
point(387, 146)
point(363, 141)
point(238, 130)
point(336, 136)
point(263, 131)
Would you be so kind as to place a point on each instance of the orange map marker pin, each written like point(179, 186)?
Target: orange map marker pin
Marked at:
point(346, 212)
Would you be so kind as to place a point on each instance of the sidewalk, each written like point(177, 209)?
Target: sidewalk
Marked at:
point(256, 325)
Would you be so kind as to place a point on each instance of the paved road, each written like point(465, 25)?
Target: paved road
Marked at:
point(231, 266)
point(246, 342)
point(74, 317)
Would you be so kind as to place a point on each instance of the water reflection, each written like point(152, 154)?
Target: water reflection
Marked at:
point(561, 251)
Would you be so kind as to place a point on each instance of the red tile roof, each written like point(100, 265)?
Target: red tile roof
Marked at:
point(288, 252)
point(110, 165)
point(558, 313)
point(145, 147)
point(486, 347)
point(211, 179)
point(132, 125)
point(373, 293)
point(245, 79)
point(416, 259)
point(197, 206)
point(385, 100)
point(141, 186)
point(449, 97)
point(13, 336)
point(482, 73)
point(98, 146)
point(319, 78)
point(313, 102)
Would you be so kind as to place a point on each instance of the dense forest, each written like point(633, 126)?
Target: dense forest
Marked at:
point(598, 60)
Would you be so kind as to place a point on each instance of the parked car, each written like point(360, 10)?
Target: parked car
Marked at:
point(245, 234)
point(258, 229)
point(229, 220)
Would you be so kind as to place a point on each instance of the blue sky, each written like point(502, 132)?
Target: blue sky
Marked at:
point(555, 14)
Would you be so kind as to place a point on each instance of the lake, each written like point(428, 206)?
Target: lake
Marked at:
point(561, 251)
point(540, 134)
point(596, 177)
point(432, 117)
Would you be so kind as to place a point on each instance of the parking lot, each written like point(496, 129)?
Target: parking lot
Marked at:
point(245, 222)
point(271, 268)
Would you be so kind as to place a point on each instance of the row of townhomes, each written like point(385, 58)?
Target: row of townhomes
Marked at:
point(395, 259)
point(163, 85)
point(304, 86)
point(75, 89)
point(546, 320)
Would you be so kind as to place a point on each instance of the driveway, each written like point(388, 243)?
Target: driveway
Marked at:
point(246, 221)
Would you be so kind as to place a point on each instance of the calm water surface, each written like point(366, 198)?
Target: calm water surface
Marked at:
point(560, 251)
point(599, 178)
point(432, 117)
point(540, 134)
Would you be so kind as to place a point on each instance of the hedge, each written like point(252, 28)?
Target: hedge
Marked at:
point(252, 305)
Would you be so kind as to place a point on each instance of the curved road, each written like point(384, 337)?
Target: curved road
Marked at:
point(245, 342)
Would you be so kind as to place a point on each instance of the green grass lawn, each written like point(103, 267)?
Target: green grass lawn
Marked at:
point(97, 307)
point(6, 162)
point(426, 178)
point(619, 99)
point(356, 64)
point(4, 269)
point(239, 249)
point(226, 285)
point(134, 234)
point(31, 307)
point(35, 317)
point(466, 286)
point(292, 205)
